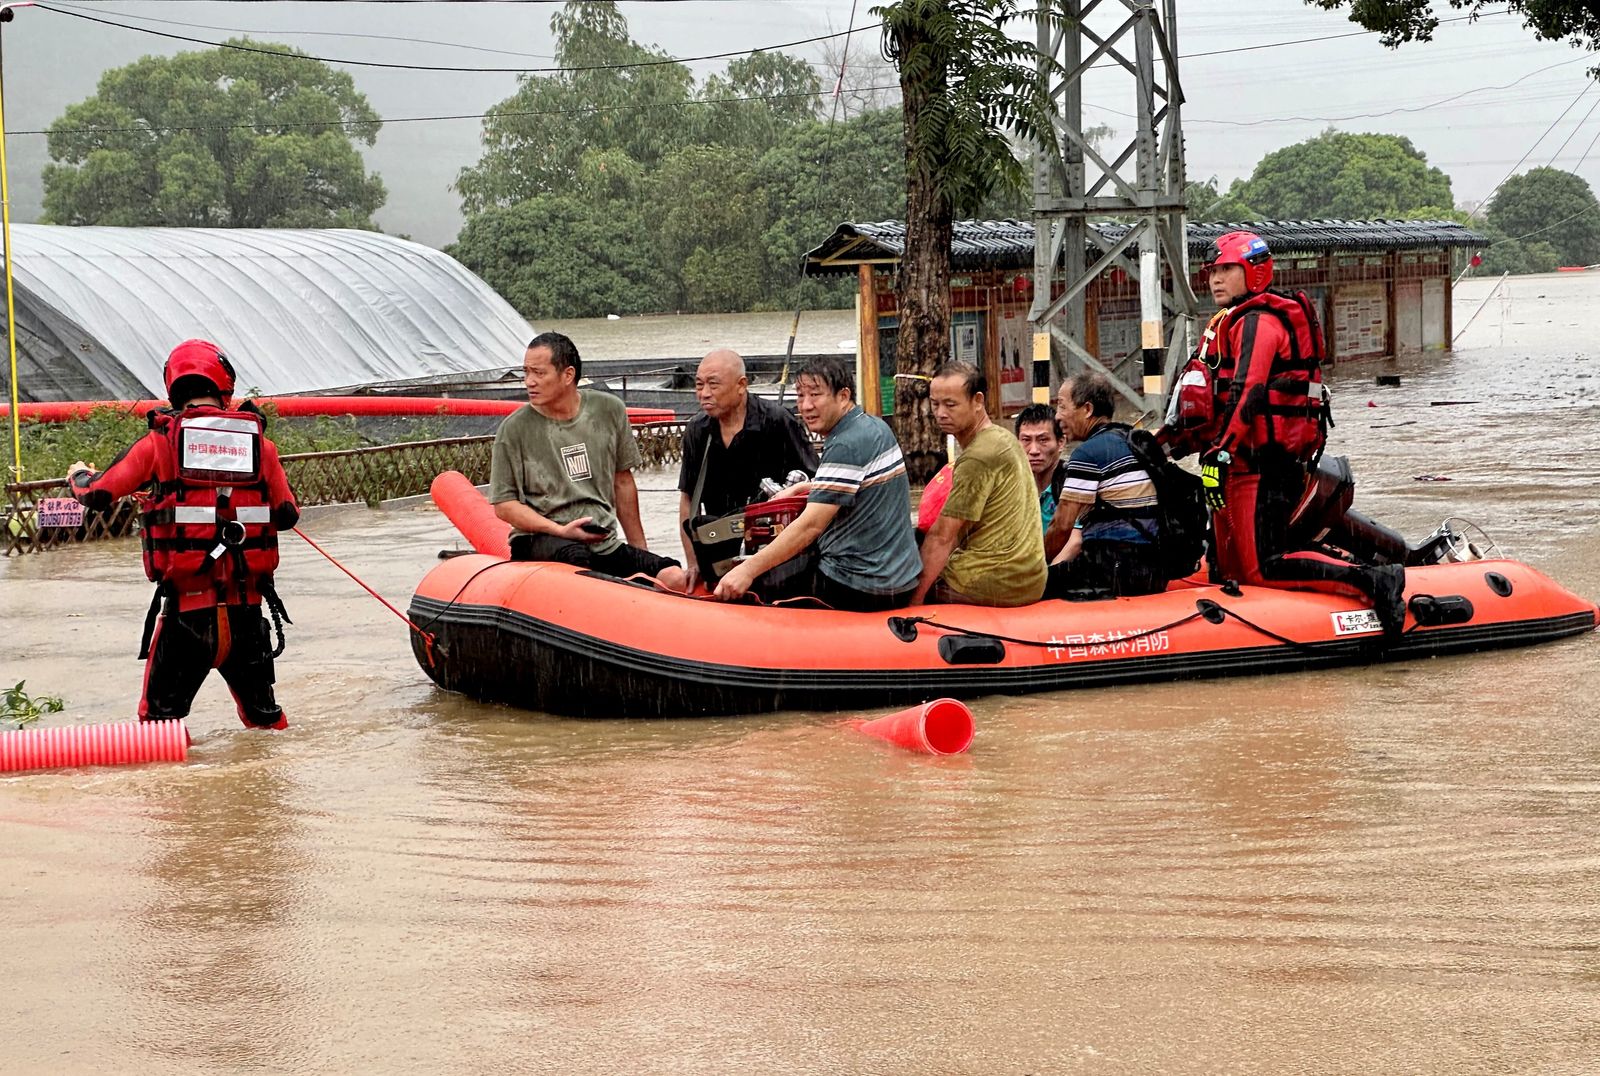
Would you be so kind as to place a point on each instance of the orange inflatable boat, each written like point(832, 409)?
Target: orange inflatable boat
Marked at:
point(552, 637)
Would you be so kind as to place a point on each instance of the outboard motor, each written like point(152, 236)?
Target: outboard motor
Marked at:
point(1325, 516)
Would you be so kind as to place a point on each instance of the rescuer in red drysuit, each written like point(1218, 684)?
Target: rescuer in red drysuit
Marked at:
point(212, 498)
point(1252, 403)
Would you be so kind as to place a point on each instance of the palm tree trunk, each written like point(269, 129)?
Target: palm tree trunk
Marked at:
point(922, 292)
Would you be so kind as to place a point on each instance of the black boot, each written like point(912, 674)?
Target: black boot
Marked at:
point(1388, 583)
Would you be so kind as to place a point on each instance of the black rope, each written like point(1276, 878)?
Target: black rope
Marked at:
point(904, 628)
point(280, 615)
point(463, 590)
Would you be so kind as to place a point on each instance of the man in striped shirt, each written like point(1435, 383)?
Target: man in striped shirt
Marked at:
point(1105, 535)
point(858, 507)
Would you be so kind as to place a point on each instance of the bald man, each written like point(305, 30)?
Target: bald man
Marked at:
point(738, 439)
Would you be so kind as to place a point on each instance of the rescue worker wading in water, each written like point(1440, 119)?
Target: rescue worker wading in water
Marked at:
point(1253, 404)
point(213, 498)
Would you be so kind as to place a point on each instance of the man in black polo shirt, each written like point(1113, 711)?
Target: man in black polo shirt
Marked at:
point(738, 439)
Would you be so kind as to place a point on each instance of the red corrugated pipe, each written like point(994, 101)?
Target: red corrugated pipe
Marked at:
point(307, 406)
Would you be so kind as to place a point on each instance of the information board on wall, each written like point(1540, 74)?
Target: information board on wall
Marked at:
point(1360, 321)
point(1016, 382)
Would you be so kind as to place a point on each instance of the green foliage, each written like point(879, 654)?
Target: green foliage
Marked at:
point(710, 228)
point(730, 118)
point(536, 140)
point(1516, 256)
point(1208, 205)
point(1343, 176)
point(18, 709)
point(632, 190)
point(1552, 208)
point(1577, 21)
point(265, 158)
point(819, 176)
point(48, 449)
point(578, 254)
point(969, 87)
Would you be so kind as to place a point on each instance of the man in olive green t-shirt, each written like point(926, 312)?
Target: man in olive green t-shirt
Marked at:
point(562, 473)
point(986, 547)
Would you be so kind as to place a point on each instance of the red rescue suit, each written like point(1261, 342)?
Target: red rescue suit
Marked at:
point(213, 497)
point(1254, 390)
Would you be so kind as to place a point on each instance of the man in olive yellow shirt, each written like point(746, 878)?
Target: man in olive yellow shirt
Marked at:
point(986, 547)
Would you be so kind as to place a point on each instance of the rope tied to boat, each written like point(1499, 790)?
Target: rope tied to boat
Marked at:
point(427, 637)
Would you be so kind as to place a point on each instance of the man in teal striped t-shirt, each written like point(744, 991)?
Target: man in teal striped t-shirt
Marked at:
point(858, 507)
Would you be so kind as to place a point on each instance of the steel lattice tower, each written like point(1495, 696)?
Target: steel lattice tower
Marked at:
point(1137, 192)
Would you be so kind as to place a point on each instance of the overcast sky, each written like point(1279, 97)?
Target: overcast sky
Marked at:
point(1239, 106)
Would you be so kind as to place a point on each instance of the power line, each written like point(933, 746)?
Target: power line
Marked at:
point(324, 33)
point(1391, 111)
point(154, 129)
point(1573, 132)
point(1323, 37)
point(1536, 141)
point(451, 69)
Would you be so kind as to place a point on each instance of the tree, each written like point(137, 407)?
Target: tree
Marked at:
point(1208, 205)
point(709, 217)
point(965, 84)
point(760, 95)
point(819, 176)
point(535, 140)
point(1550, 206)
point(221, 138)
point(1400, 21)
point(579, 254)
point(1345, 176)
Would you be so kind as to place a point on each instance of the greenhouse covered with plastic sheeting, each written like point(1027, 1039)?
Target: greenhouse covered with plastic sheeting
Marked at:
point(98, 309)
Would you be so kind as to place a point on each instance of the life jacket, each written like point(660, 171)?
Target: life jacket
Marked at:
point(1291, 412)
point(209, 535)
point(1194, 406)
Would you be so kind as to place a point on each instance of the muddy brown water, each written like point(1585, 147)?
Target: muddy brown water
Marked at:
point(1390, 869)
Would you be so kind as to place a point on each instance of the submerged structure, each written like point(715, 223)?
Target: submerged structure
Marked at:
point(98, 309)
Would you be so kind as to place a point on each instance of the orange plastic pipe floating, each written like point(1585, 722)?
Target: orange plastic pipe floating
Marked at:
point(472, 514)
point(940, 727)
point(120, 744)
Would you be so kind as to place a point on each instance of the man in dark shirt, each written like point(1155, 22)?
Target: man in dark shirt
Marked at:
point(738, 439)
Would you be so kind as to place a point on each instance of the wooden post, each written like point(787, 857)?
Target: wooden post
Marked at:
point(991, 349)
point(867, 374)
point(1449, 305)
point(1391, 290)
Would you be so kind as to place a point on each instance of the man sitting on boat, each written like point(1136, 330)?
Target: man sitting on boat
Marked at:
point(562, 472)
point(737, 440)
point(1039, 433)
point(855, 516)
point(1105, 535)
point(986, 547)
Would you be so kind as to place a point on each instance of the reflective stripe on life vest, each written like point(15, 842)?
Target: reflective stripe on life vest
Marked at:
point(245, 513)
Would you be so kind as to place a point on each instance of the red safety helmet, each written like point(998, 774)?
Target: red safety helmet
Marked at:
point(1247, 249)
point(198, 368)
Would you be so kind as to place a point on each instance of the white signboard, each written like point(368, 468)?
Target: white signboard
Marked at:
point(60, 512)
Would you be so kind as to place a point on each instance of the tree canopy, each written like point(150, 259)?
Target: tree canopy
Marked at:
point(1549, 206)
point(1342, 175)
point(221, 138)
point(1399, 21)
point(678, 196)
point(967, 88)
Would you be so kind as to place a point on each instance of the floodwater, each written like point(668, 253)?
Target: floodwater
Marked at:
point(1393, 869)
